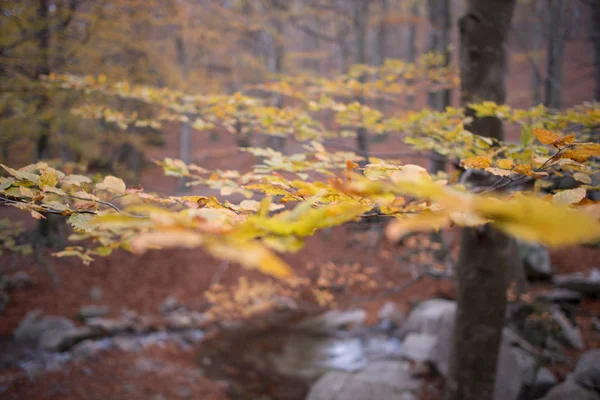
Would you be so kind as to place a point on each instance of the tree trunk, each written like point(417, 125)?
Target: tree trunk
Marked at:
point(440, 21)
point(274, 50)
point(596, 39)
point(185, 129)
point(482, 275)
point(557, 28)
point(411, 55)
point(536, 34)
point(382, 34)
point(485, 257)
point(43, 68)
point(360, 11)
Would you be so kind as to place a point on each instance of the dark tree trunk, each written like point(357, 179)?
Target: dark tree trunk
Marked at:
point(482, 275)
point(440, 21)
point(43, 68)
point(486, 254)
point(275, 52)
point(360, 12)
point(382, 34)
point(536, 36)
point(557, 28)
point(185, 128)
point(596, 39)
point(411, 54)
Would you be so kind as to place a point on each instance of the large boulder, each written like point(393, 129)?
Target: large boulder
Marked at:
point(419, 347)
point(334, 320)
point(587, 371)
point(34, 326)
point(586, 285)
point(570, 390)
point(436, 317)
point(381, 380)
point(536, 260)
point(52, 333)
point(430, 317)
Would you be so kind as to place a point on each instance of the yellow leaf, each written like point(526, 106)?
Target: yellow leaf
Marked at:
point(505, 163)
point(119, 220)
point(48, 179)
point(113, 185)
point(535, 220)
point(570, 196)
point(581, 152)
point(251, 255)
point(420, 223)
point(165, 238)
point(101, 79)
point(545, 136)
point(476, 162)
point(523, 169)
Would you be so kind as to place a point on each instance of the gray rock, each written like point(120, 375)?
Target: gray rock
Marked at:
point(169, 305)
point(536, 260)
point(570, 333)
point(587, 286)
point(561, 296)
point(87, 312)
point(186, 320)
point(34, 326)
point(96, 293)
point(61, 340)
point(536, 381)
point(308, 357)
point(84, 350)
point(125, 344)
point(109, 326)
point(569, 390)
point(587, 371)
point(382, 380)
point(334, 320)
point(419, 347)
point(19, 280)
point(430, 317)
point(389, 313)
point(508, 380)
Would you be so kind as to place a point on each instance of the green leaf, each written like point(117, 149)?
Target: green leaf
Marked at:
point(21, 174)
point(526, 135)
point(82, 222)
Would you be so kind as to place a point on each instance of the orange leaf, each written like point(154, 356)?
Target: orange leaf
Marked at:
point(569, 139)
point(476, 162)
point(545, 136)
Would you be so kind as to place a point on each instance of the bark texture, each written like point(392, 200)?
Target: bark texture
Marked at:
point(486, 254)
point(42, 149)
point(360, 13)
point(439, 42)
point(557, 29)
point(596, 40)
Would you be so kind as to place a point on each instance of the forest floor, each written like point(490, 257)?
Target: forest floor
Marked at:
point(141, 283)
